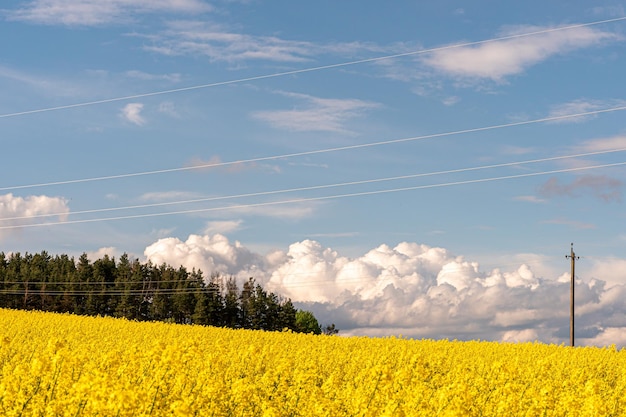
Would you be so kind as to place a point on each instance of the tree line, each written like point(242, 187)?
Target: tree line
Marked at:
point(145, 292)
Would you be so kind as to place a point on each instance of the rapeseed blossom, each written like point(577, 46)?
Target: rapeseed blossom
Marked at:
point(65, 365)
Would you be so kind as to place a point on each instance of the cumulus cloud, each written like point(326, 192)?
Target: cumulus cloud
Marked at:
point(610, 269)
point(132, 113)
point(16, 211)
point(415, 290)
point(499, 59)
point(97, 12)
point(318, 114)
point(207, 253)
point(109, 251)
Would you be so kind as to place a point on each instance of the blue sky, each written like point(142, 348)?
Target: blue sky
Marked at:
point(418, 169)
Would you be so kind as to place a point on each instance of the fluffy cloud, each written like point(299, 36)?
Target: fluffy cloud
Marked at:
point(414, 290)
point(16, 211)
point(97, 12)
point(207, 253)
point(132, 113)
point(109, 251)
point(499, 59)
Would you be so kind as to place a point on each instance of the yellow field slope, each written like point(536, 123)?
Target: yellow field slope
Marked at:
point(63, 365)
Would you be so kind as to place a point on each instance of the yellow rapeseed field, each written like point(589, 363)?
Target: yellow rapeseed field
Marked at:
point(64, 365)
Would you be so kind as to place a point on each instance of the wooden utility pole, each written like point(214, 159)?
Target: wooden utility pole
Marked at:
point(572, 256)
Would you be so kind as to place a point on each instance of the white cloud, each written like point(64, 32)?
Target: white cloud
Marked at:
point(499, 59)
point(530, 199)
point(610, 270)
point(414, 290)
point(224, 226)
point(526, 335)
point(603, 144)
point(318, 114)
point(295, 210)
point(451, 100)
point(98, 12)
point(219, 43)
point(110, 251)
point(207, 253)
point(15, 211)
point(132, 113)
point(140, 75)
point(579, 106)
point(292, 210)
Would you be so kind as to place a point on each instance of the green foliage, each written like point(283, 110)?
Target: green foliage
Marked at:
point(330, 329)
point(307, 323)
point(127, 288)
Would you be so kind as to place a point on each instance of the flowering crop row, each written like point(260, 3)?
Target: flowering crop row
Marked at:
point(64, 365)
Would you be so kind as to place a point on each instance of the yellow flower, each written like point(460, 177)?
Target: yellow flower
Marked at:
point(65, 365)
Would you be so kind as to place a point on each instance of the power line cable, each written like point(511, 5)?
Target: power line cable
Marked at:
point(315, 187)
point(320, 151)
point(109, 287)
point(303, 200)
point(311, 69)
point(343, 269)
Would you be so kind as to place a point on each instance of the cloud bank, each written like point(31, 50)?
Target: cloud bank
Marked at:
point(415, 290)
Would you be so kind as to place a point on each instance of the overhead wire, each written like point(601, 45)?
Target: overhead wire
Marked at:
point(108, 288)
point(315, 187)
point(312, 69)
point(309, 199)
point(312, 152)
point(350, 147)
point(326, 150)
point(546, 119)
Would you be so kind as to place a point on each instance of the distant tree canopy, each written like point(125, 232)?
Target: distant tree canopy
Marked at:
point(307, 323)
point(142, 291)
